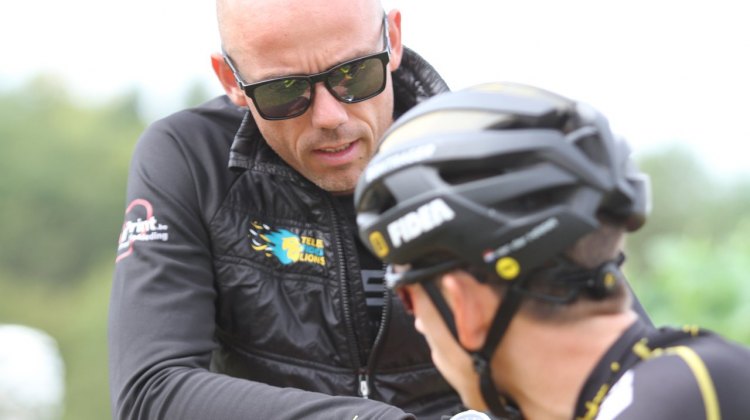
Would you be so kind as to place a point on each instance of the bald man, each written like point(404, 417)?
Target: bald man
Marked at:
point(241, 290)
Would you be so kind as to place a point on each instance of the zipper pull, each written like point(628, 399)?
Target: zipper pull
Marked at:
point(364, 387)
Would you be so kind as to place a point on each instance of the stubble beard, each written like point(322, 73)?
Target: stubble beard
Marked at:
point(338, 183)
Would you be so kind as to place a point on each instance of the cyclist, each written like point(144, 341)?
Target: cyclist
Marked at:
point(501, 211)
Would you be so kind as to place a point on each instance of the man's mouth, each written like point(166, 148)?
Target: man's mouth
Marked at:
point(340, 154)
point(336, 149)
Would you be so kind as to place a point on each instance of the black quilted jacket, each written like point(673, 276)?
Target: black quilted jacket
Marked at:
point(237, 291)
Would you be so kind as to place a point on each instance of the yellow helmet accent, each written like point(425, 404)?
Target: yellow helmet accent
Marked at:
point(379, 245)
point(609, 281)
point(507, 268)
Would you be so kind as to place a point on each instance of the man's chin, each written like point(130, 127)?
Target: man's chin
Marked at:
point(341, 184)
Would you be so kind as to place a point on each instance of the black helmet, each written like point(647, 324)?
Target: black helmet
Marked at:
point(500, 175)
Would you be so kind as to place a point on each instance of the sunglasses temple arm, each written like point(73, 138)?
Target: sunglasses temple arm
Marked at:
point(235, 72)
point(386, 34)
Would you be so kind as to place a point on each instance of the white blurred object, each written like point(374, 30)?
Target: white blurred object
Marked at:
point(470, 415)
point(32, 374)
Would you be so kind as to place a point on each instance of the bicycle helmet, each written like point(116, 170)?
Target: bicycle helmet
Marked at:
point(502, 177)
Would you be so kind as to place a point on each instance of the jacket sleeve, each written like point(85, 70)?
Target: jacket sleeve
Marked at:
point(162, 306)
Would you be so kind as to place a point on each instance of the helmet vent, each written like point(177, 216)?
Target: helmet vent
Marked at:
point(462, 172)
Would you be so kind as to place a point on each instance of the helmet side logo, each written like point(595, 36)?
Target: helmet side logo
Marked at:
point(379, 245)
point(416, 223)
point(522, 241)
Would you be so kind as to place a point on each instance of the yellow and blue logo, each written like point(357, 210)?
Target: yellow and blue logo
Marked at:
point(286, 246)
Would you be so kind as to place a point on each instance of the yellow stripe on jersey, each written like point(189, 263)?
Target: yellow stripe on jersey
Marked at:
point(705, 383)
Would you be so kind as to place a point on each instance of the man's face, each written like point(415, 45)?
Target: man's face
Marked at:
point(332, 142)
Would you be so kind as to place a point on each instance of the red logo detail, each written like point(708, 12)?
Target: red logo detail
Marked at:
point(144, 228)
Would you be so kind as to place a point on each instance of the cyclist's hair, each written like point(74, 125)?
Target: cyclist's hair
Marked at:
point(590, 251)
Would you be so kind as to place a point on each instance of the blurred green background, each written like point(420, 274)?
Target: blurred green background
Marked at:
point(64, 169)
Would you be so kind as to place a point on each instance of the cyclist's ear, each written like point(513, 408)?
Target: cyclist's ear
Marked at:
point(473, 304)
point(227, 80)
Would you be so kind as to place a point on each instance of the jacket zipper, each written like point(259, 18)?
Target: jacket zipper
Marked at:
point(363, 390)
point(363, 375)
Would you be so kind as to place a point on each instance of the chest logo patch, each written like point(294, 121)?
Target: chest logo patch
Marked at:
point(286, 246)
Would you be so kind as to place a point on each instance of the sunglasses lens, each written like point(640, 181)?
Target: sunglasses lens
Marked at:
point(405, 295)
point(284, 98)
point(350, 82)
point(358, 80)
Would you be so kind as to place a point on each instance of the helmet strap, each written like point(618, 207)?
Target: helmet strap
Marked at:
point(497, 404)
point(511, 301)
point(442, 306)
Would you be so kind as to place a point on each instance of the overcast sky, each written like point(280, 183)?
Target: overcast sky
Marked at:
point(662, 71)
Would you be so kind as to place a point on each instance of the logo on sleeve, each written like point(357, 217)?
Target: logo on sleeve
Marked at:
point(286, 246)
point(141, 225)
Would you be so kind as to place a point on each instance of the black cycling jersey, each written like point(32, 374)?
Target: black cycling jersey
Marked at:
point(668, 374)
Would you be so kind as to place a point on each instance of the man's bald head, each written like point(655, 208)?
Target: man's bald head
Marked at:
point(332, 141)
point(241, 21)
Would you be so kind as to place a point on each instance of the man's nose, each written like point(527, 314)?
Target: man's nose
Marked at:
point(327, 111)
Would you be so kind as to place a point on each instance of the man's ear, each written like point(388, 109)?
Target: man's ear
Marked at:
point(227, 80)
point(394, 33)
point(473, 304)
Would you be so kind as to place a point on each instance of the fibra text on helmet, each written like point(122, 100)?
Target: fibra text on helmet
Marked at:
point(416, 223)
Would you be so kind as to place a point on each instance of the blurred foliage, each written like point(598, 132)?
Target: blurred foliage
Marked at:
point(64, 169)
point(63, 190)
point(699, 280)
point(688, 264)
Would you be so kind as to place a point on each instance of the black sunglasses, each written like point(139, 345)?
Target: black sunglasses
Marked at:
point(427, 276)
point(420, 274)
point(352, 81)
